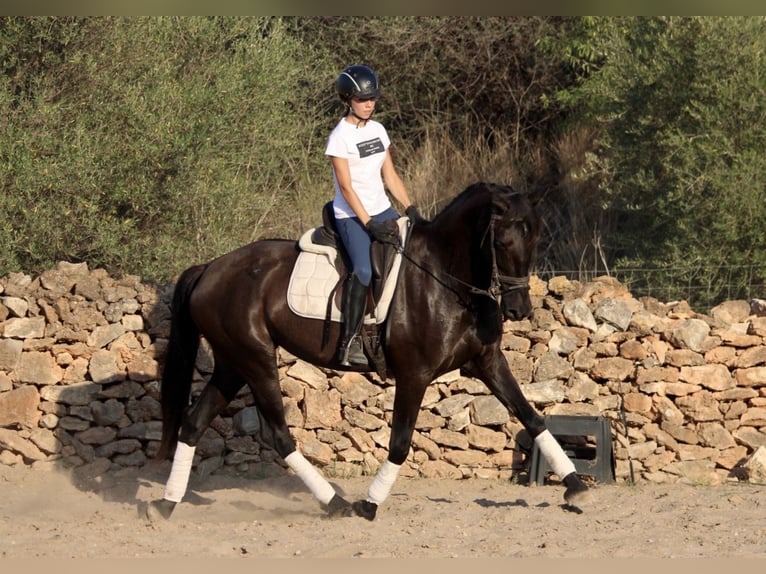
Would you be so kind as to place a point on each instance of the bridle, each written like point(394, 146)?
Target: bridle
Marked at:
point(499, 286)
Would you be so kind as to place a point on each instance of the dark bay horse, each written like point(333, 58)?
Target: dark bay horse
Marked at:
point(462, 275)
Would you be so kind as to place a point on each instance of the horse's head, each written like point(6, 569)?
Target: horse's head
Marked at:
point(504, 228)
point(514, 229)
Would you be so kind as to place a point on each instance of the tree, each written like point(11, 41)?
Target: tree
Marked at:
point(147, 144)
point(681, 118)
point(464, 75)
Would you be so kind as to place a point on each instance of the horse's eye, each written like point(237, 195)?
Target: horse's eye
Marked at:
point(522, 226)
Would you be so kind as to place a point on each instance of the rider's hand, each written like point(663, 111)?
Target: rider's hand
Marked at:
point(414, 215)
point(384, 231)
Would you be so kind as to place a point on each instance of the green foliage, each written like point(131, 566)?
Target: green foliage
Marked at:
point(680, 109)
point(146, 144)
point(466, 76)
point(143, 145)
point(463, 97)
point(155, 142)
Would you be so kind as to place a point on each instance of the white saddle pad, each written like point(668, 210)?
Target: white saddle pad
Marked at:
point(315, 279)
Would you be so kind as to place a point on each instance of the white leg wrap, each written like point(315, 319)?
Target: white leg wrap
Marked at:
point(175, 488)
point(554, 454)
point(384, 480)
point(319, 487)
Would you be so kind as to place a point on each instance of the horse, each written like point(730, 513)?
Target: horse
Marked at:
point(462, 275)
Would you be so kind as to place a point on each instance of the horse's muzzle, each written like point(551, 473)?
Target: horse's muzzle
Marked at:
point(516, 306)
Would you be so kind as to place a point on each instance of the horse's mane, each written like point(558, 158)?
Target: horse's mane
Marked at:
point(470, 194)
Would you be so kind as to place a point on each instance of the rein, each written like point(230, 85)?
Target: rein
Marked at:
point(500, 285)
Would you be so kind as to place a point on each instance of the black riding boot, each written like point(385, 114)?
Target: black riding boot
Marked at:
point(350, 350)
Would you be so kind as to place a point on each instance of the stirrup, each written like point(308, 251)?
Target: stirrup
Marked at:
point(352, 353)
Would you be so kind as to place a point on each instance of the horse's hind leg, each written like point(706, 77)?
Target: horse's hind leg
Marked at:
point(218, 393)
point(263, 379)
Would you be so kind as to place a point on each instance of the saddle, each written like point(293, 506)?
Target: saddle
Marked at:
point(316, 284)
point(317, 280)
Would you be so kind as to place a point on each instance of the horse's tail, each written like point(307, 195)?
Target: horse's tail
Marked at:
point(180, 359)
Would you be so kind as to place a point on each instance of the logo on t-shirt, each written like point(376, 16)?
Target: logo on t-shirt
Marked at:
point(370, 147)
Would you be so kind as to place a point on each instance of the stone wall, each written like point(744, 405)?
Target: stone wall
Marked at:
point(81, 353)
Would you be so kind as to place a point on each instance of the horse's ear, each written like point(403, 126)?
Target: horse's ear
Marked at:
point(541, 188)
point(535, 198)
point(503, 198)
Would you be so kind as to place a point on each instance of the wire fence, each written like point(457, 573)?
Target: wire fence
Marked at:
point(701, 287)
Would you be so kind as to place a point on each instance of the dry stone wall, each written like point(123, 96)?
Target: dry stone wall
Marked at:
point(81, 355)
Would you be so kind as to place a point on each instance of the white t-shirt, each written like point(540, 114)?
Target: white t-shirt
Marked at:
point(365, 149)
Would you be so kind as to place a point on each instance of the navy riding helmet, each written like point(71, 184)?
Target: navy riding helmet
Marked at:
point(357, 81)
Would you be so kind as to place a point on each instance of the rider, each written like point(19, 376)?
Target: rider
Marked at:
point(362, 168)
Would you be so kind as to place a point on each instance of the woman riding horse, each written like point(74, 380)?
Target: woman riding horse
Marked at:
point(463, 274)
point(362, 169)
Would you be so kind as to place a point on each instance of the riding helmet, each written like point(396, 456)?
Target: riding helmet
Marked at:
point(357, 81)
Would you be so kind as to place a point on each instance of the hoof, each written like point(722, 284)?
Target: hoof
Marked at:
point(365, 509)
point(159, 509)
point(577, 492)
point(339, 507)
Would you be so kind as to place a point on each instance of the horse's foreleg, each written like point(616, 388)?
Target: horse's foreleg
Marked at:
point(496, 374)
point(406, 408)
point(576, 492)
point(379, 490)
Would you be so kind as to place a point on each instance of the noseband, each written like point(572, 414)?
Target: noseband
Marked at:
point(500, 285)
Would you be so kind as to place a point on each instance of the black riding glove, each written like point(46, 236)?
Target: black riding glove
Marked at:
point(384, 231)
point(414, 215)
